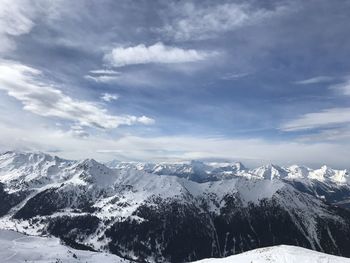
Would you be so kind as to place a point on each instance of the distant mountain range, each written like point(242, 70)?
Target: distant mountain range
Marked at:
point(203, 172)
point(174, 212)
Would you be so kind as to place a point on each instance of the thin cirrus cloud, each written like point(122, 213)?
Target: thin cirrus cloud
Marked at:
point(192, 22)
point(322, 119)
point(157, 53)
point(26, 85)
point(103, 75)
point(104, 72)
point(327, 118)
point(315, 80)
point(339, 134)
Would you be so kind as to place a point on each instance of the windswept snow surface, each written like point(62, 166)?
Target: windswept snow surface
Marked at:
point(279, 254)
point(16, 247)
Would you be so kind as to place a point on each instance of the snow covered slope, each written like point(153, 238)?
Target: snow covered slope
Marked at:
point(16, 247)
point(279, 254)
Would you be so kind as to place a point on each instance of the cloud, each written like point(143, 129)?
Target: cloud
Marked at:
point(15, 20)
point(157, 53)
point(322, 119)
point(78, 131)
point(334, 135)
point(315, 80)
point(109, 97)
point(104, 72)
point(343, 88)
point(193, 22)
point(253, 36)
point(172, 148)
point(326, 118)
point(27, 85)
point(145, 120)
point(233, 76)
point(103, 75)
point(103, 78)
point(133, 78)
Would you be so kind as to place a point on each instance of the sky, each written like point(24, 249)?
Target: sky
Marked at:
point(254, 81)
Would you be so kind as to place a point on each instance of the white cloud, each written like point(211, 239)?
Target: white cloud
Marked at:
point(103, 78)
point(315, 80)
point(145, 120)
point(15, 20)
point(138, 78)
point(78, 131)
point(343, 88)
point(26, 85)
point(103, 75)
point(233, 76)
point(109, 97)
point(157, 53)
point(329, 134)
point(325, 118)
point(172, 148)
point(202, 22)
point(104, 72)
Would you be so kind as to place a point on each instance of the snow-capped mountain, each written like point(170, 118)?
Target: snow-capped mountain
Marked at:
point(270, 171)
point(173, 212)
point(201, 172)
point(195, 170)
point(327, 183)
point(279, 254)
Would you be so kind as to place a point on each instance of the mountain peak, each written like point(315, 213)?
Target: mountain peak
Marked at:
point(89, 162)
point(270, 171)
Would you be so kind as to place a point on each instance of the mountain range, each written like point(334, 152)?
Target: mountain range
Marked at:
point(174, 212)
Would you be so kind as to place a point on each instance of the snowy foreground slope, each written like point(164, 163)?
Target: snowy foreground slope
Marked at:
point(279, 254)
point(19, 248)
point(174, 212)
